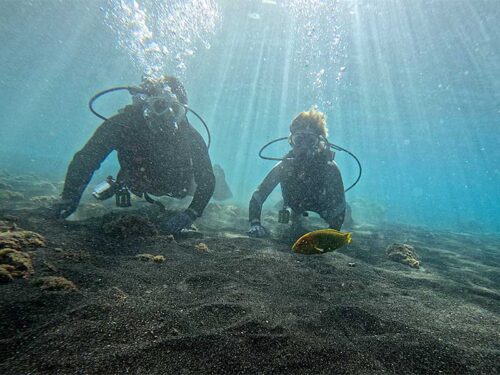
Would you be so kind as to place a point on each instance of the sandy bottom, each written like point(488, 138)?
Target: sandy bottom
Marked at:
point(250, 305)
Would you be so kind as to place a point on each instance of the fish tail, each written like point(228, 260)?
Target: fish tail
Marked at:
point(349, 238)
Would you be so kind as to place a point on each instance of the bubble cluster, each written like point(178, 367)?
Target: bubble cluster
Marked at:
point(160, 35)
point(320, 48)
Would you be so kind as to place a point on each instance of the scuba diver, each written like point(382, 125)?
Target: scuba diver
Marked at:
point(159, 152)
point(310, 179)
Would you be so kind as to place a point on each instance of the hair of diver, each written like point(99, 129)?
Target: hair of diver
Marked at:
point(135, 90)
point(331, 145)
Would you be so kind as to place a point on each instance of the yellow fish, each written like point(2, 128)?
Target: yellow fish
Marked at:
point(321, 241)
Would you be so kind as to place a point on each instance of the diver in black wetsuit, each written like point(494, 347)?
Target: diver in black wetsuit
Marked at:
point(310, 179)
point(160, 153)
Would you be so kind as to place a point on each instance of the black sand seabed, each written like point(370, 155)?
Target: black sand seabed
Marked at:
point(251, 306)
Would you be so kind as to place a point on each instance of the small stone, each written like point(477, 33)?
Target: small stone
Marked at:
point(145, 257)
point(158, 259)
point(404, 254)
point(202, 247)
point(352, 264)
point(174, 332)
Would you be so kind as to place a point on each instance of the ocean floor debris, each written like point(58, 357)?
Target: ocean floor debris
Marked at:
point(13, 261)
point(16, 263)
point(126, 226)
point(145, 257)
point(403, 253)
point(202, 247)
point(55, 283)
point(158, 259)
point(17, 239)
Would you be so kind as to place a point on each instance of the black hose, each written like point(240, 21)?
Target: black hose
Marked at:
point(331, 145)
point(269, 144)
point(335, 147)
point(204, 124)
point(134, 90)
point(101, 93)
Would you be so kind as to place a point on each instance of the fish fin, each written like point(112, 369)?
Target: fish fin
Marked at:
point(319, 249)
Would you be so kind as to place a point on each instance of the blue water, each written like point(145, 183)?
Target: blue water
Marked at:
point(411, 87)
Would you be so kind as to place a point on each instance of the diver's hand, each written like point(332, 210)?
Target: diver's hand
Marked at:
point(63, 208)
point(178, 222)
point(257, 230)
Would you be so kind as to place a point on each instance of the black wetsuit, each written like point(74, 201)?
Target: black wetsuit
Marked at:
point(154, 162)
point(306, 186)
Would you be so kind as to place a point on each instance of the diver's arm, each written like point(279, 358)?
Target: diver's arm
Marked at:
point(203, 173)
point(88, 160)
point(260, 195)
point(336, 196)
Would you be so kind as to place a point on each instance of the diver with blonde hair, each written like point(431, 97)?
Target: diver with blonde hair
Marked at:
point(310, 179)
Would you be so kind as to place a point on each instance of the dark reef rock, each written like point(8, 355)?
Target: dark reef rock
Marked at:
point(16, 263)
point(403, 253)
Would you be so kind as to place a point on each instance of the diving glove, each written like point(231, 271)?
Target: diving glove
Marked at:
point(179, 221)
point(257, 230)
point(64, 208)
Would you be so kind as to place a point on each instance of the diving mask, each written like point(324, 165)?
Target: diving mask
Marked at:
point(305, 140)
point(165, 107)
point(306, 144)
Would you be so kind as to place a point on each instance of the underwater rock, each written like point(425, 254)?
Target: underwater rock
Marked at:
point(125, 226)
point(55, 283)
point(158, 259)
point(403, 253)
point(16, 263)
point(9, 195)
point(145, 257)
point(19, 239)
point(5, 276)
point(222, 190)
point(202, 247)
point(348, 220)
point(170, 238)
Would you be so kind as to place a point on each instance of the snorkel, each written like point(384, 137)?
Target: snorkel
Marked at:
point(166, 104)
